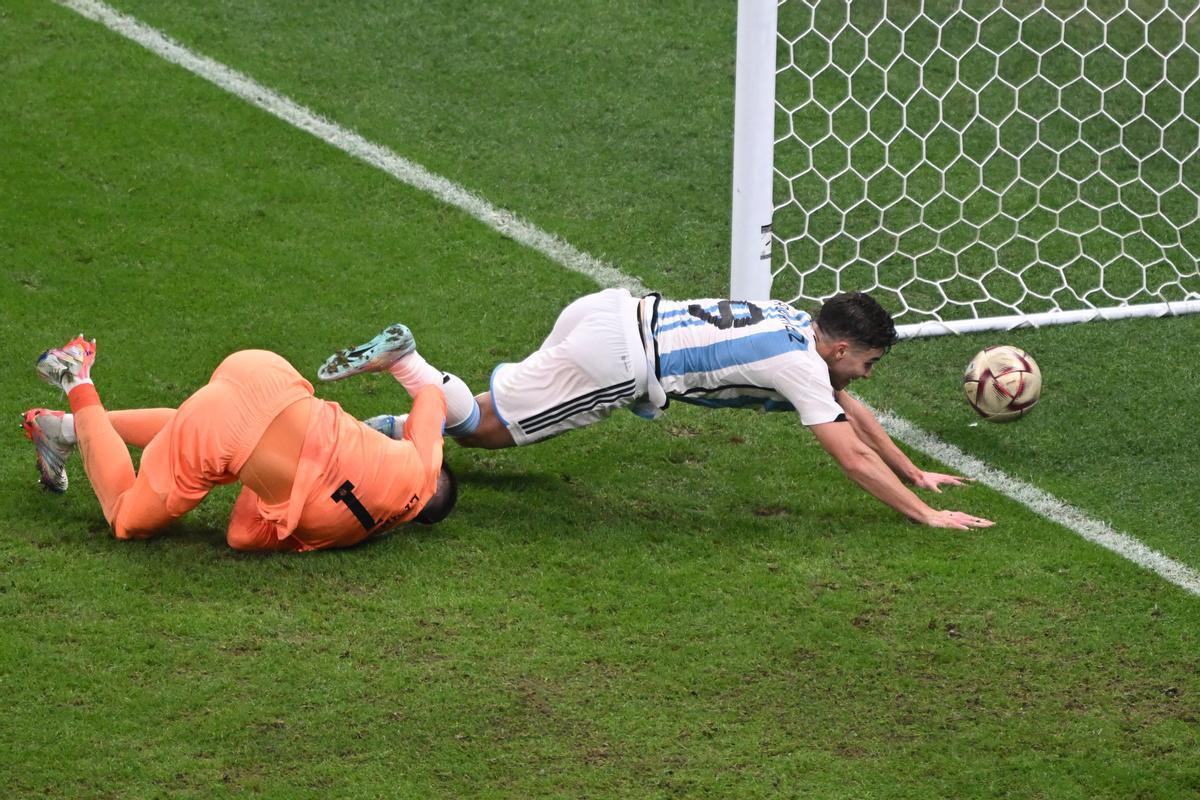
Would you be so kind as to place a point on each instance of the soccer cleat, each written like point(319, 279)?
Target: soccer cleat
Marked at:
point(44, 428)
point(386, 349)
point(64, 366)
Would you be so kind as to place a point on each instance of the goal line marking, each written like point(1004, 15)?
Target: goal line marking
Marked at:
point(509, 224)
point(1043, 503)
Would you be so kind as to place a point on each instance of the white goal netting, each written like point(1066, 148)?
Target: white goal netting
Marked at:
point(970, 158)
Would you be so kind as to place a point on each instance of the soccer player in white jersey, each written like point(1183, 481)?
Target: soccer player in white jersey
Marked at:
point(611, 350)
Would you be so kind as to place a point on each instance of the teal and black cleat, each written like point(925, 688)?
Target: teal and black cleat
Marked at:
point(394, 343)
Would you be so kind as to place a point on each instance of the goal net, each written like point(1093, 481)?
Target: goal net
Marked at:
point(977, 164)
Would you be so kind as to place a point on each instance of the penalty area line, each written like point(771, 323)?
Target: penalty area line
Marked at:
point(562, 253)
point(500, 220)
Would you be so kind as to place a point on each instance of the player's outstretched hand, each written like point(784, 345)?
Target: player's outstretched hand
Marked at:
point(934, 480)
point(957, 519)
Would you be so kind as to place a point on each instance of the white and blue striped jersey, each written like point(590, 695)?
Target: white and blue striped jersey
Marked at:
point(734, 353)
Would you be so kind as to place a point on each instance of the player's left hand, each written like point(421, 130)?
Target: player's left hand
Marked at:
point(934, 480)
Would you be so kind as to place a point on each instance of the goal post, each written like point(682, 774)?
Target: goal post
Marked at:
point(974, 164)
point(753, 147)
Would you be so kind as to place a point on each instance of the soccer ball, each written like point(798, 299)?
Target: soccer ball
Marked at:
point(1002, 383)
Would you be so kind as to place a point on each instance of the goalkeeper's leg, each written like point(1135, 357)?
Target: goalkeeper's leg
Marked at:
point(54, 438)
point(135, 426)
point(130, 504)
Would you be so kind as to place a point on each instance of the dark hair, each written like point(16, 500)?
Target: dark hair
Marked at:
point(857, 318)
point(445, 496)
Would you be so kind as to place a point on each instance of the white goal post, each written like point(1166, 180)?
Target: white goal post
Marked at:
point(974, 164)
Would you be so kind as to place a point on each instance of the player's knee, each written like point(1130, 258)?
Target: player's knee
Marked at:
point(125, 532)
point(124, 523)
point(247, 531)
point(243, 541)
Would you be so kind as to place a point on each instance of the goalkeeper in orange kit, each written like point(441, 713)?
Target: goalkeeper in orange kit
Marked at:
point(312, 476)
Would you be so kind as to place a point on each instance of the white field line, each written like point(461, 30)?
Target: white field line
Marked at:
point(562, 253)
point(415, 175)
point(1046, 505)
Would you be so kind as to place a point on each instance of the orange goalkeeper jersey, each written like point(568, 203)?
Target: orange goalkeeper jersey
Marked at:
point(353, 482)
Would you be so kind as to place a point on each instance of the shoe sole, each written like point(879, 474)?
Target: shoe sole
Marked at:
point(378, 354)
point(34, 434)
point(51, 367)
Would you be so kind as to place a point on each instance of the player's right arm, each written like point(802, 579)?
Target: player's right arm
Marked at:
point(424, 429)
point(864, 466)
point(874, 436)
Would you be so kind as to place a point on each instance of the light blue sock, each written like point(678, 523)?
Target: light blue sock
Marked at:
point(462, 412)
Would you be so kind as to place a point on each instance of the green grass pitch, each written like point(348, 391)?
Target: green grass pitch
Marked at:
point(699, 607)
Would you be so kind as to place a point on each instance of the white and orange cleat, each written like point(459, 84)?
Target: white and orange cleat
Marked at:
point(69, 365)
point(44, 428)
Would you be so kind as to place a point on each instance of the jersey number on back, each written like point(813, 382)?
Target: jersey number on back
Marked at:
point(725, 318)
point(345, 494)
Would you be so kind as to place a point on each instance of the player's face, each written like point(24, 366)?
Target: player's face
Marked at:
point(853, 363)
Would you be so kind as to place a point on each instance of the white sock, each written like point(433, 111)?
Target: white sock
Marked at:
point(462, 412)
point(415, 373)
point(68, 383)
point(68, 429)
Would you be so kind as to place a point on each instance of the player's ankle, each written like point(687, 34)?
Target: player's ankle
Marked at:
point(82, 394)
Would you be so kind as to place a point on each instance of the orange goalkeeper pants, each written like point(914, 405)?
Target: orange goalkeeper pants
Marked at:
point(205, 442)
point(266, 474)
